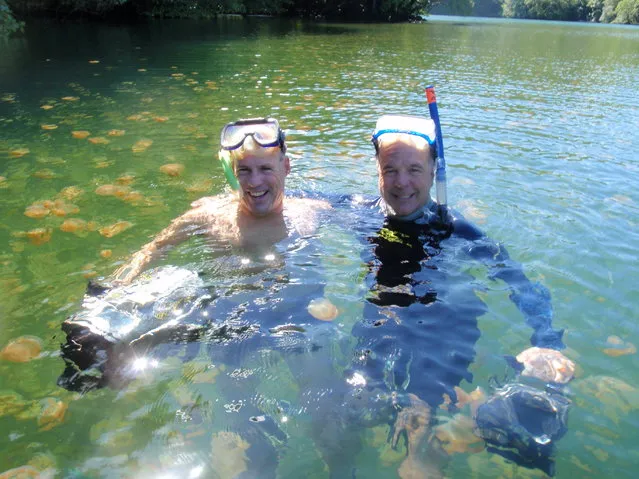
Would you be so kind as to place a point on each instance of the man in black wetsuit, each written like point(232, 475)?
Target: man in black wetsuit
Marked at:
point(417, 338)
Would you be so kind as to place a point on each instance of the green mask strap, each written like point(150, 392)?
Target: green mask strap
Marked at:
point(225, 159)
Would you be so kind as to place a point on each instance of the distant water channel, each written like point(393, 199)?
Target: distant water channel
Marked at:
point(540, 122)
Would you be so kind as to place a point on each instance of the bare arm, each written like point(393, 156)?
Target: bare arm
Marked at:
point(180, 229)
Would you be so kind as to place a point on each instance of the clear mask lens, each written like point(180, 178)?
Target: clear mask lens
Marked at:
point(265, 132)
point(407, 124)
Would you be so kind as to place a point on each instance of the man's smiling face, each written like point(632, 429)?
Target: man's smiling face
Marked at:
point(261, 174)
point(405, 176)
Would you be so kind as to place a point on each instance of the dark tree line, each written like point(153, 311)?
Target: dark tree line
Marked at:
point(12, 12)
point(344, 10)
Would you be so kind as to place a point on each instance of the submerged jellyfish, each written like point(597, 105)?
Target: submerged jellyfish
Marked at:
point(39, 236)
point(36, 210)
point(115, 229)
point(172, 169)
point(323, 309)
point(546, 364)
point(80, 134)
point(73, 225)
point(141, 145)
point(22, 349)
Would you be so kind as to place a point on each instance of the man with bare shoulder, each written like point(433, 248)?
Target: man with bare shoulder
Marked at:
point(253, 153)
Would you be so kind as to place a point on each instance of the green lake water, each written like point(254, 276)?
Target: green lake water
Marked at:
point(540, 123)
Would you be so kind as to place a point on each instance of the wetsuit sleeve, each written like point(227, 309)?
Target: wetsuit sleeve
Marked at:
point(531, 298)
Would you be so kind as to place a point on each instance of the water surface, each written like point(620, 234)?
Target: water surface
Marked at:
point(540, 124)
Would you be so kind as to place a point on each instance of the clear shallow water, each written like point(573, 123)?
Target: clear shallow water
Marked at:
point(540, 124)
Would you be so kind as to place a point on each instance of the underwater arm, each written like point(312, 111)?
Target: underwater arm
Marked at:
point(531, 298)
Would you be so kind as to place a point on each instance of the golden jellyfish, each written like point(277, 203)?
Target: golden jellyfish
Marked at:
point(22, 349)
point(98, 140)
point(456, 435)
point(44, 174)
point(51, 414)
point(125, 180)
point(73, 225)
point(49, 127)
point(106, 253)
point(172, 169)
point(161, 119)
point(71, 192)
point(106, 190)
point(619, 347)
point(133, 197)
point(94, 62)
point(61, 208)
point(549, 365)
point(322, 309)
point(70, 98)
point(39, 236)
point(22, 472)
point(19, 152)
point(115, 229)
point(103, 163)
point(47, 107)
point(80, 134)
point(135, 117)
point(141, 145)
point(36, 210)
point(116, 132)
point(121, 191)
point(88, 271)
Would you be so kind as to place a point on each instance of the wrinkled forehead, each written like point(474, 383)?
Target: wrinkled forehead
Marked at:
point(259, 156)
point(397, 145)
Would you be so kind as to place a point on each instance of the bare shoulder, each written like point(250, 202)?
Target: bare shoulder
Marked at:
point(213, 203)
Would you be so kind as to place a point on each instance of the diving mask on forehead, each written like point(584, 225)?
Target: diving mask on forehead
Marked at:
point(266, 132)
point(407, 124)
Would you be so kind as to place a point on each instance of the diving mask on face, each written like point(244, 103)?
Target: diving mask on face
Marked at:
point(266, 132)
point(406, 124)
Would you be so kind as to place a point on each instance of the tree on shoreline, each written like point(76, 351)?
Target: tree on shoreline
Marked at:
point(8, 24)
point(605, 11)
point(342, 10)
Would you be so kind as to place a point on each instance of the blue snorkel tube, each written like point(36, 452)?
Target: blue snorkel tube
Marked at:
point(440, 174)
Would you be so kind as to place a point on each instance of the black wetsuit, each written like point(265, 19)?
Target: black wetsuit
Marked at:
point(419, 328)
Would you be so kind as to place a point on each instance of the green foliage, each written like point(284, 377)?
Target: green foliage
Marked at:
point(607, 11)
point(93, 6)
point(8, 24)
point(359, 10)
point(399, 10)
point(460, 7)
point(570, 10)
point(347, 10)
point(627, 11)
